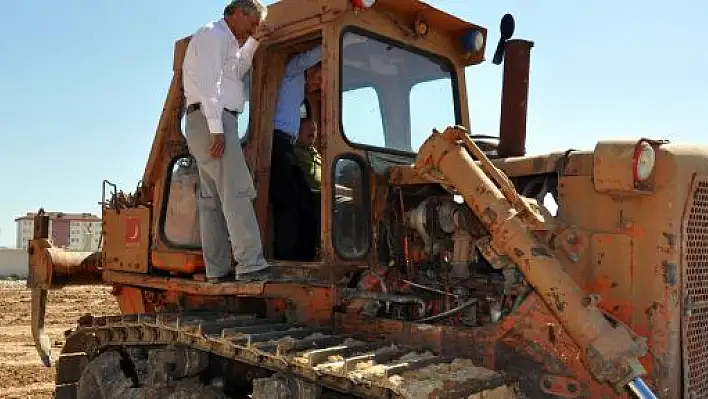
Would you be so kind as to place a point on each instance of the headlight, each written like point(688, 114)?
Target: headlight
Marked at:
point(363, 3)
point(643, 161)
point(473, 41)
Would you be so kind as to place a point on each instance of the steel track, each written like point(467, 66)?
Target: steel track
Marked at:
point(343, 363)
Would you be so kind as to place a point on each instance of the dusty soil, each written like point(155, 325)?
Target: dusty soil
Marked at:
point(22, 374)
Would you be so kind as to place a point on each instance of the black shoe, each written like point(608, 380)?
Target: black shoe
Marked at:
point(221, 279)
point(267, 274)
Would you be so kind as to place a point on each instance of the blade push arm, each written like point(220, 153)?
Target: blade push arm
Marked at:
point(611, 354)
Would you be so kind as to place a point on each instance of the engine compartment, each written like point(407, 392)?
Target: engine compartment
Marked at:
point(433, 266)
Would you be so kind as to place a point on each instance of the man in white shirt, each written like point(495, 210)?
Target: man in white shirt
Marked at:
point(218, 57)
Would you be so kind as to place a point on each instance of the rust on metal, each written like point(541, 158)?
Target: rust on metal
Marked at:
point(126, 239)
point(620, 260)
point(614, 170)
point(576, 163)
point(526, 330)
point(183, 285)
point(694, 318)
point(563, 387)
point(512, 129)
point(41, 225)
point(253, 341)
point(52, 268)
point(586, 325)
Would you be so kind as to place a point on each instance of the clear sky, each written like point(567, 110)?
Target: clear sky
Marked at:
point(83, 84)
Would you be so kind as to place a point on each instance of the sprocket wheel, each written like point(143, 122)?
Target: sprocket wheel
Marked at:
point(104, 378)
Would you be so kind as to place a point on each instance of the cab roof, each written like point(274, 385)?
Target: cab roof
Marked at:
point(286, 12)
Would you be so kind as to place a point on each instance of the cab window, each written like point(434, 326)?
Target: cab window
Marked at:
point(393, 96)
point(351, 233)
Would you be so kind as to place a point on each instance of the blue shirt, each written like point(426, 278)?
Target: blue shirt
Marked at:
point(292, 91)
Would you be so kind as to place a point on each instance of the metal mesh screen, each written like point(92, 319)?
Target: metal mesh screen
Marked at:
point(696, 290)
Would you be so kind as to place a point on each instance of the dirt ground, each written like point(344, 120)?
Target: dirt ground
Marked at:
point(22, 374)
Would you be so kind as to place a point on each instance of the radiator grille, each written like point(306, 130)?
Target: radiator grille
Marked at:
point(696, 291)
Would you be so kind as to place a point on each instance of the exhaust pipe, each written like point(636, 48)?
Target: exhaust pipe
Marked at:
point(514, 107)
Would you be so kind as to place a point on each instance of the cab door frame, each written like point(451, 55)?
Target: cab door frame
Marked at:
point(269, 67)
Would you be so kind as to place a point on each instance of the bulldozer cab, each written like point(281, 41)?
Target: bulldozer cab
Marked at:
point(391, 71)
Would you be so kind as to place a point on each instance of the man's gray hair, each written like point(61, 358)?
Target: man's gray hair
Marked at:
point(251, 7)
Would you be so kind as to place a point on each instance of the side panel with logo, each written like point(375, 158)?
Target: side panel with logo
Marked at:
point(126, 239)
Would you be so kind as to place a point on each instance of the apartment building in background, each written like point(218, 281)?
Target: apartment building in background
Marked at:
point(73, 231)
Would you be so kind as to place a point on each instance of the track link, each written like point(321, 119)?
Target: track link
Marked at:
point(347, 364)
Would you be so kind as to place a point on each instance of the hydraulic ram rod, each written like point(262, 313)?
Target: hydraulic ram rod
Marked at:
point(611, 354)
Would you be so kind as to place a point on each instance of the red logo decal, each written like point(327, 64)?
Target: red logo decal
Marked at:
point(132, 232)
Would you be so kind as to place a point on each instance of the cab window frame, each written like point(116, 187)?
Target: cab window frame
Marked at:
point(248, 105)
point(366, 205)
point(454, 82)
point(165, 204)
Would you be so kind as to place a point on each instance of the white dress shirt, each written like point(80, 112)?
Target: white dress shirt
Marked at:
point(213, 71)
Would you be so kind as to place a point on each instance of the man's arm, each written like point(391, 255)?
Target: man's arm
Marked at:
point(245, 56)
point(305, 60)
point(302, 61)
point(211, 50)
